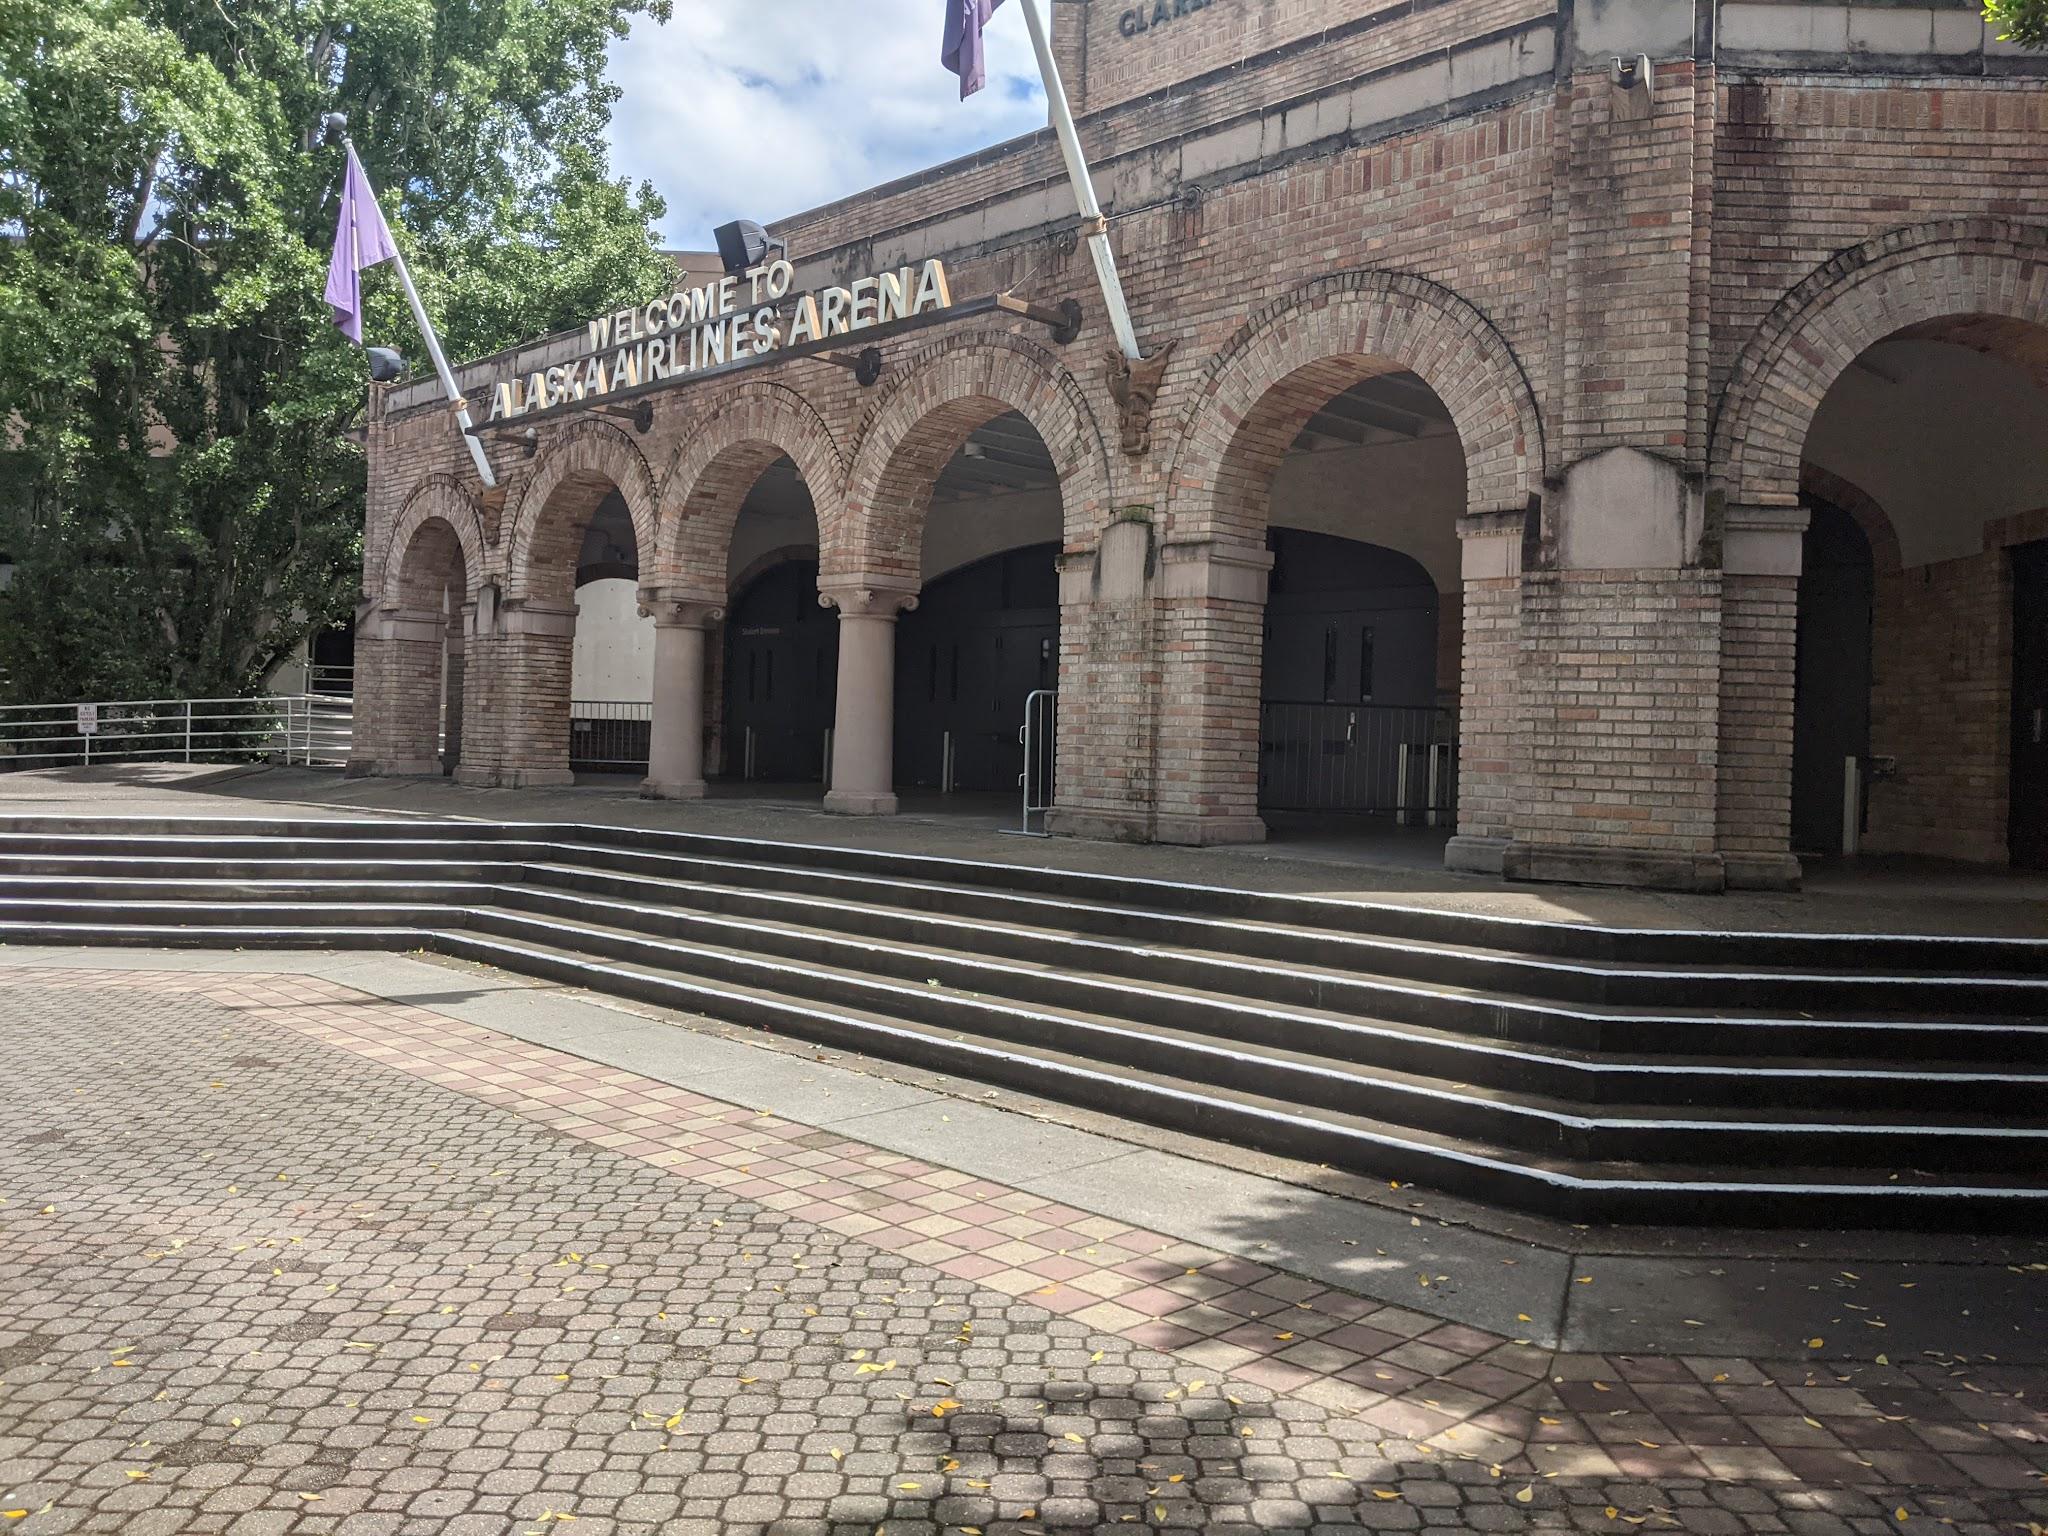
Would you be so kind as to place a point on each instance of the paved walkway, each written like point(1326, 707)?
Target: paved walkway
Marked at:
point(282, 1255)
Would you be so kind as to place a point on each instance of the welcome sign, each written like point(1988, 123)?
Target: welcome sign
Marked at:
point(698, 328)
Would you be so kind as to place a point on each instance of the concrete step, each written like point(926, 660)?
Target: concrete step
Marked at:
point(1936, 1137)
point(624, 847)
point(1681, 1057)
point(1567, 1189)
point(1268, 960)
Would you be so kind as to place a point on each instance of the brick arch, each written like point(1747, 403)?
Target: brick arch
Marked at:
point(576, 470)
point(1295, 353)
point(1907, 277)
point(1862, 508)
point(709, 478)
point(439, 501)
point(942, 393)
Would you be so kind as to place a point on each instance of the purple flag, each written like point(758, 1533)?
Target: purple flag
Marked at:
point(361, 240)
point(963, 51)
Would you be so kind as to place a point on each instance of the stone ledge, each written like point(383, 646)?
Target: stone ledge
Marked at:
point(1702, 874)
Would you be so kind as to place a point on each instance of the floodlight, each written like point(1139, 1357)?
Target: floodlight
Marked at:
point(386, 364)
point(744, 245)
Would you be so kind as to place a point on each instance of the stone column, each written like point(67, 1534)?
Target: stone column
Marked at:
point(675, 756)
point(864, 715)
point(1762, 552)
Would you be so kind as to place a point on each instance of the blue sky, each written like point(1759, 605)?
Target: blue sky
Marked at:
point(761, 108)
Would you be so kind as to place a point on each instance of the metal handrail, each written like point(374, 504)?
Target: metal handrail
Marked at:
point(314, 729)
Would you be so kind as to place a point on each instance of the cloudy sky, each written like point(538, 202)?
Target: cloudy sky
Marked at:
point(761, 108)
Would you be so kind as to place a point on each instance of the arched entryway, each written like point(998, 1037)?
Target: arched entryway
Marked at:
point(976, 470)
point(566, 523)
point(1933, 438)
point(413, 668)
point(746, 657)
point(1902, 387)
point(1375, 408)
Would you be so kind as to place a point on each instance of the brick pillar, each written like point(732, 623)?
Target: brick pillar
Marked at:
point(1760, 562)
point(1210, 618)
point(675, 757)
point(518, 734)
point(398, 698)
point(1108, 689)
point(1489, 722)
point(864, 714)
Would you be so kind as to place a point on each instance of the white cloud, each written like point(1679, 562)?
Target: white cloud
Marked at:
point(764, 108)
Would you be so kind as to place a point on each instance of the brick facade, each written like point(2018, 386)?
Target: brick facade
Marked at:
point(1631, 299)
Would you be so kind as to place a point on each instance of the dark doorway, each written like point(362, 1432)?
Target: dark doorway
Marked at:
point(2029, 813)
point(1349, 676)
point(1831, 711)
point(781, 672)
point(980, 641)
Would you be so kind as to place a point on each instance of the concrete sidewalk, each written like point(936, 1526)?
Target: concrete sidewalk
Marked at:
point(1636, 1292)
point(1395, 866)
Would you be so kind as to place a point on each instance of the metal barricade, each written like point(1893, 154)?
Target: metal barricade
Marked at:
point(610, 735)
point(1041, 721)
point(1358, 759)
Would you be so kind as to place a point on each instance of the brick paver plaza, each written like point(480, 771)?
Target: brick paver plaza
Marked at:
point(282, 1257)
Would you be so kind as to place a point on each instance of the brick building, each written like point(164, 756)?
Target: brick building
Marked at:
point(1646, 397)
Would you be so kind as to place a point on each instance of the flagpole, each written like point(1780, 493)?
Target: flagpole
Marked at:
point(419, 315)
point(1084, 187)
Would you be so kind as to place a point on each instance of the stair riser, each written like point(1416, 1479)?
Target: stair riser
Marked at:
point(1493, 1018)
point(799, 868)
point(1403, 1163)
point(1443, 1114)
point(1389, 1051)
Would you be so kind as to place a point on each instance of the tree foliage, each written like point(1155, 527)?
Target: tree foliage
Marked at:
point(2021, 21)
point(177, 487)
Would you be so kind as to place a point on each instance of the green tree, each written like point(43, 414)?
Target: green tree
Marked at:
point(178, 489)
point(2021, 21)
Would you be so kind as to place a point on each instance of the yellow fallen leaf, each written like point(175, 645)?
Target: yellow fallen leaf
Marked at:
point(837, 1454)
point(1075, 1438)
point(136, 1477)
point(1815, 1343)
point(1283, 1336)
point(1385, 1493)
point(1526, 1494)
point(910, 1487)
point(13, 1514)
point(420, 1418)
point(311, 1498)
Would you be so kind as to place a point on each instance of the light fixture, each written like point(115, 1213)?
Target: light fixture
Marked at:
point(744, 245)
point(386, 364)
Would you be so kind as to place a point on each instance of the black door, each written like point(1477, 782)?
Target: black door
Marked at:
point(2029, 816)
point(1831, 711)
point(781, 673)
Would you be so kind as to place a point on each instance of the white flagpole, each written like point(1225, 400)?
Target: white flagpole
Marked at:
point(455, 395)
point(1084, 187)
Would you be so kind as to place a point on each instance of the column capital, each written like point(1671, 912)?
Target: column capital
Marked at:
point(856, 600)
point(679, 608)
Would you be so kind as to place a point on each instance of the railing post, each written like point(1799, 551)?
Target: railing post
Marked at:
point(188, 730)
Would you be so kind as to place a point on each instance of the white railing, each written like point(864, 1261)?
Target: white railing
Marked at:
point(314, 729)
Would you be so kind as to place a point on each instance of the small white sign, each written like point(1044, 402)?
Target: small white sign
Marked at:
point(88, 719)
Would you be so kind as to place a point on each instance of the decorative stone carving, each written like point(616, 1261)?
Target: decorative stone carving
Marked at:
point(1135, 385)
